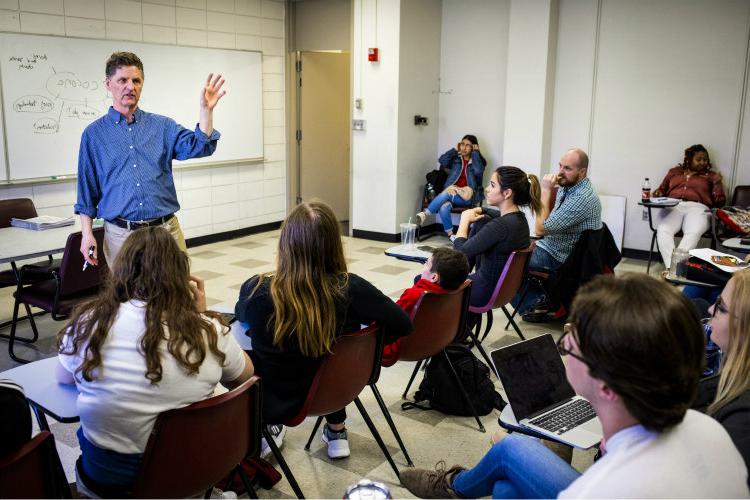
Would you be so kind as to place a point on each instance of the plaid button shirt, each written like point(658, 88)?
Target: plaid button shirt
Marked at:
point(577, 208)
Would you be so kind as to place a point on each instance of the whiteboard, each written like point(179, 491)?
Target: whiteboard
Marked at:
point(53, 87)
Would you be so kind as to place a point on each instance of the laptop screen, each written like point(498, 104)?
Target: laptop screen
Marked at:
point(533, 375)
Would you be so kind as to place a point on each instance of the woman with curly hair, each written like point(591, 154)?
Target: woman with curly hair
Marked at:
point(698, 188)
point(144, 345)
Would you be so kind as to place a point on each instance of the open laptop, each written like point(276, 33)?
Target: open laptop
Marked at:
point(533, 376)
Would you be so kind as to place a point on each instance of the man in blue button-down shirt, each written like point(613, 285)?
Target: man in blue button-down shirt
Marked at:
point(125, 160)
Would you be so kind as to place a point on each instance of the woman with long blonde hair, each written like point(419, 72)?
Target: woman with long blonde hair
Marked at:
point(296, 313)
point(730, 330)
point(144, 345)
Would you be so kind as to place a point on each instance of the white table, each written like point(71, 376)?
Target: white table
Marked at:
point(44, 393)
point(735, 244)
point(414, 255)
point(19, 244)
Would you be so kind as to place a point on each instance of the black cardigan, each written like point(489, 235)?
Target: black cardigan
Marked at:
point(286, 373)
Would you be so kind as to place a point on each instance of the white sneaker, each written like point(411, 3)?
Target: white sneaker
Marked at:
point(217, 493)
point(277, 433)
point(420, 217)
point(338, 444)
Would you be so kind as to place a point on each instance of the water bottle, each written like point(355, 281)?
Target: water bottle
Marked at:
point(646, 191)
point(430, 192)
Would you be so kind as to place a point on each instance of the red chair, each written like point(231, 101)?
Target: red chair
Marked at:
point(353, 365)
point(192, 448)
point(34, 471)
point(64, 288)
point(508, 284)
point(439, 321)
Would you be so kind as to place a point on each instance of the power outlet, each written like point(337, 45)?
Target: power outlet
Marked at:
point(358, 124)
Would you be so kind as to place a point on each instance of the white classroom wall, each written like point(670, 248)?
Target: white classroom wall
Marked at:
point(213, 199)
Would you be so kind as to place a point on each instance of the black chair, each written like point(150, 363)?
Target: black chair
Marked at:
point(20, 208)
point(63, 288)
point(34, 471)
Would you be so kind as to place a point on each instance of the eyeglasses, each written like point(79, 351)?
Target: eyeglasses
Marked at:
point(720, 306)
point(568, 329)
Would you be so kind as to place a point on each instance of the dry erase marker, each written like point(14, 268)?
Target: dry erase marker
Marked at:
point(91, 254)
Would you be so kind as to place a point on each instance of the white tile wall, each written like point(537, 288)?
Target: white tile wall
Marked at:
point(159, 34)
point(85, 28)
point(247, 7)
point(159, 15)
point(221, 6)
point(85, 8)
point(117, 30)
point(11, 21)
point(42, 6)
point(213, 199)
point(42, 23)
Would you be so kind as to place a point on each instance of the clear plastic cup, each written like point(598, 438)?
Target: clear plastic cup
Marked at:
point(678, 266)
point(408, 230)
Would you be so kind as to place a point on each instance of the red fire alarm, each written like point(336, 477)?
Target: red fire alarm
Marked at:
point(372, 54)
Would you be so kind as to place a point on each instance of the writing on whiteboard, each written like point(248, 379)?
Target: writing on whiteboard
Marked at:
point(58, 94)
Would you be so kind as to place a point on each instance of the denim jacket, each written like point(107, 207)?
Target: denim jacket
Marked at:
point(474, 171)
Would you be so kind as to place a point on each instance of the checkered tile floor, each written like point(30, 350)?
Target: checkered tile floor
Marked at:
point(429, 436)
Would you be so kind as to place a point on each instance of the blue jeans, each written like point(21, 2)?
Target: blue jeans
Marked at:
point(699, 292)
point(108, 467)
point(539, 259)
point(443, 204)
point(516, 467)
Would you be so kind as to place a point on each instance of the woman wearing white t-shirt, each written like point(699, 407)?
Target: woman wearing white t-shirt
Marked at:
point(144, 345)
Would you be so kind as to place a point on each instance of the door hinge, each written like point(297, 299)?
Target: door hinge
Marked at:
point(299, 135)
point(299, 66)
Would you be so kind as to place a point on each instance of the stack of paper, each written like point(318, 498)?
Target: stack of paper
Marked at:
point(42, 222)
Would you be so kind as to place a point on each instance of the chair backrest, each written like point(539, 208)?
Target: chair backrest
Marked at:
point(510, 280)
point(73, 279)
point(34, 471)
point(193, 448)
point(20, 208)
point(437, 319)
point(741, 197)
point(353, 364)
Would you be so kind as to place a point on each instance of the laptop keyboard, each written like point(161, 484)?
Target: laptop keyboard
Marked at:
point(566, 417)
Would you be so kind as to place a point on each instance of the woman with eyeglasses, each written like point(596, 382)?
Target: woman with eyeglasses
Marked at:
point(730, 330)
point(634, 350)
point(464, 166)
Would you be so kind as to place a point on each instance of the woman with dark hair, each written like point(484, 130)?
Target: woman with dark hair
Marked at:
point(296, 314)
point(464, 166)
point(730, 330)
point(497, 233)
point(698, 188)
point(144, 345)
point(634, 350)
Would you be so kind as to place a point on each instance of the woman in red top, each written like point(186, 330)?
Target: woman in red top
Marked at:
point(698, 188)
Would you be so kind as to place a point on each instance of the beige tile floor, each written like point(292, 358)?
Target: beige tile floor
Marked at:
point(429, 436)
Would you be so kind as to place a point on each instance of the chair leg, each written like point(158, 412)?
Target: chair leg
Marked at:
point(411, 379)
point(490, 319)
point(282, 463)
point(23, 339)
point(463, 391)
point(526, 286)
point(510, 320)
point(313, 433)
point(650, 252)
point(484, 355)
point(12, 336)
point(376, 435)
point(388, 419)
point(251, 493)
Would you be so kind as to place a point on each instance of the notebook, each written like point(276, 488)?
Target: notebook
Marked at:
point(538, 392)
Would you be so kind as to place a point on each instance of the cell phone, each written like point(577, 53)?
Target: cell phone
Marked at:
point(228, 318)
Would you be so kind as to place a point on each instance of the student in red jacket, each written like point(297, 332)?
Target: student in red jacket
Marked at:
point(445, 270)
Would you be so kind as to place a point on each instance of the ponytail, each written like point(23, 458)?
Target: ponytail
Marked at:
point(526, 188)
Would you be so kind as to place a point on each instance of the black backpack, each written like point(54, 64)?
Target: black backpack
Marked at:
point(440, 390)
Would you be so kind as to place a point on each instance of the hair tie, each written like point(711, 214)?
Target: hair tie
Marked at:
point(528, 178)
